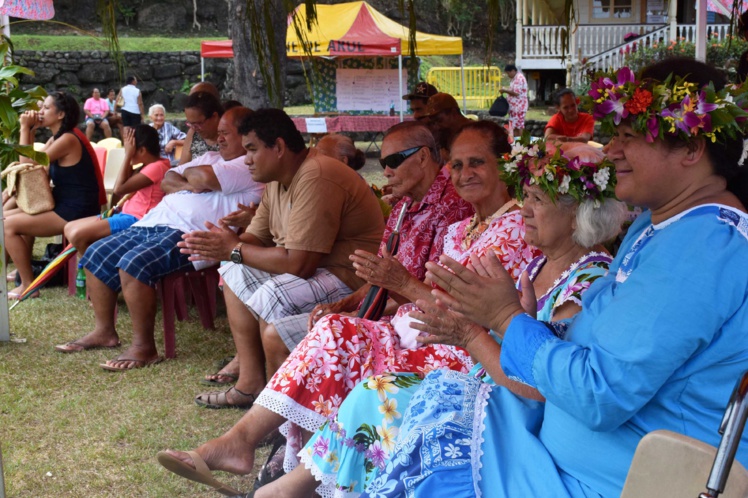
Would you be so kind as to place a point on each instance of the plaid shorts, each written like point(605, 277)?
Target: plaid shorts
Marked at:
point(285, 299)
point(146, 253)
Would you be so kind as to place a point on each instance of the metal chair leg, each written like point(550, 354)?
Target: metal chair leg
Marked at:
point(731, 428)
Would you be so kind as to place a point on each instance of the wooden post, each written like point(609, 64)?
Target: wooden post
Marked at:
point(4, 324)
point(701, 30)
point(672, 18)
point(519, 34)
point(2, 479)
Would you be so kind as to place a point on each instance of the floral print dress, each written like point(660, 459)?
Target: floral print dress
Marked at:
point(518, 104)
point(342, 351)
point(347, 451)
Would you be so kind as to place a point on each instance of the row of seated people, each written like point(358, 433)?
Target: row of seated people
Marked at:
point(556, 388)
point(500, 393)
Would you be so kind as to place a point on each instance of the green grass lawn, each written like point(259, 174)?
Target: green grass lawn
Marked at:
point(70, 429)
point(90, 42)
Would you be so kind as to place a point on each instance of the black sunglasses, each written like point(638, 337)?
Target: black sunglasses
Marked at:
point(393, 161)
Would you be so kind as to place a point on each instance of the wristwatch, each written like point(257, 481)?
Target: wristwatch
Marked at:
point(236, 254)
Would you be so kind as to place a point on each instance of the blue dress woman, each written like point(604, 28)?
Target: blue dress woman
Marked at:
point(660, 339)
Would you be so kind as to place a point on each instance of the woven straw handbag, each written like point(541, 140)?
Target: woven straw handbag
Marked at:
point(30, 185)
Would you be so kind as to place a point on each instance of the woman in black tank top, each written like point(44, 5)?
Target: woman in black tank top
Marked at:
point(73, 173)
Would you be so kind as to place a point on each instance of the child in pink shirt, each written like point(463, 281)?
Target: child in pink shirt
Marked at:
point(141, 146)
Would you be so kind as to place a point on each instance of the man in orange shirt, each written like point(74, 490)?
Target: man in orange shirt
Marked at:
point(568, 124)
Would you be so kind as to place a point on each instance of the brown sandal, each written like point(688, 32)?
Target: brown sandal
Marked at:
point(220, 399)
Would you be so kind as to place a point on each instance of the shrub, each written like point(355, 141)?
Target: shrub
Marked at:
point(721, 53)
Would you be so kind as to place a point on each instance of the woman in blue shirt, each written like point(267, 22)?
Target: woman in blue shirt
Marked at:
point(658, 344)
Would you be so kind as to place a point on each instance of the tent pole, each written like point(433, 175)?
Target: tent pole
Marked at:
point(6, 25)
point(462, 77)
point(202, 68)
point(400, 77)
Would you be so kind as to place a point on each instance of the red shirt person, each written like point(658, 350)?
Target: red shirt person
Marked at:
point(568, 124)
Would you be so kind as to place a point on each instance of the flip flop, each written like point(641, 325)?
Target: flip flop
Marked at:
point(200, 473)
point(214, 382)
point(220, 399)
point(135, 364)
point(77, 347)
point(11, 277)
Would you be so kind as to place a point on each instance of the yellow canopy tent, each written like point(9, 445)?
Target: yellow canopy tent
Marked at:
point(356, 29)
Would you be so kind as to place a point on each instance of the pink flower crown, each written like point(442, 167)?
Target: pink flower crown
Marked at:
point(556, 173)
point(673, 107)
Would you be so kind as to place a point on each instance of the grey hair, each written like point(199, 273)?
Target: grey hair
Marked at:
point(344, 147)
point(154, 107)
point(595, 224)
point(415, 134)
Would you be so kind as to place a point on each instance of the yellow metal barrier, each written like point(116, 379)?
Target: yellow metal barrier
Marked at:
point(481, 84)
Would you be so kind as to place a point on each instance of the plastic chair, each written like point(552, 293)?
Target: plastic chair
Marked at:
point(101, 153)
point(669, 464)
point(113, 165)
point(110, 143)
point(202, 286)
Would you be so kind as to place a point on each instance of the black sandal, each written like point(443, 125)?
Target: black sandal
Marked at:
point(220, 399)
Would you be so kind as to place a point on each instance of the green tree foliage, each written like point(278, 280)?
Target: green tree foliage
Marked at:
point(13, 102)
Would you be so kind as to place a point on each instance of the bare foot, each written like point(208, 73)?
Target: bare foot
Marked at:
point(223, 453)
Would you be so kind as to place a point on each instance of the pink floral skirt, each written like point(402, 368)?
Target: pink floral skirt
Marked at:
point(336, 355)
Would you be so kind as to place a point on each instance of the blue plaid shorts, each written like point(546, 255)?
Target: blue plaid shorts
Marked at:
point(146, 253)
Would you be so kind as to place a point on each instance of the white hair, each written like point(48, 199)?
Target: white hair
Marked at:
point(156, 107)
point(595, 224)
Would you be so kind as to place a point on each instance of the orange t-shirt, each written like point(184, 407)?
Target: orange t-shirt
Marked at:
point(584, 124)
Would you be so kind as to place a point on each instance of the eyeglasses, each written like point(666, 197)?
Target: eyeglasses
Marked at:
point(197, 125)
point(393, 161)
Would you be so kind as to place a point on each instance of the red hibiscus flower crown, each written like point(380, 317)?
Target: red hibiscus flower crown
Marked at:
point(673, 107)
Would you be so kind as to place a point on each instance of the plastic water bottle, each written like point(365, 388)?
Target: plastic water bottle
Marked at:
point(80, 282)
point(392, 108)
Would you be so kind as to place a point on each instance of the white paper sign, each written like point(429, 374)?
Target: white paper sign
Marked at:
point(316, 125)
point(368, 89)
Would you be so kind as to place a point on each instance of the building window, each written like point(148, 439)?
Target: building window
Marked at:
point(612, 9)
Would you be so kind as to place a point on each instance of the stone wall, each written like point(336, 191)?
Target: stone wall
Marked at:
point(163, 77)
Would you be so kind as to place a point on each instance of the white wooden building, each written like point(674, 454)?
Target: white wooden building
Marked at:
point(597, 35)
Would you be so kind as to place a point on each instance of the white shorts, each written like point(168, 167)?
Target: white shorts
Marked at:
point(275, 297)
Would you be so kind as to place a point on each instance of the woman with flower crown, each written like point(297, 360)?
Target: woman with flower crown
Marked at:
point(658, 344)
point(567, 221)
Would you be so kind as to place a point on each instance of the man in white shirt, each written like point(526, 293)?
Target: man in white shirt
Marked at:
point(134, 260)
